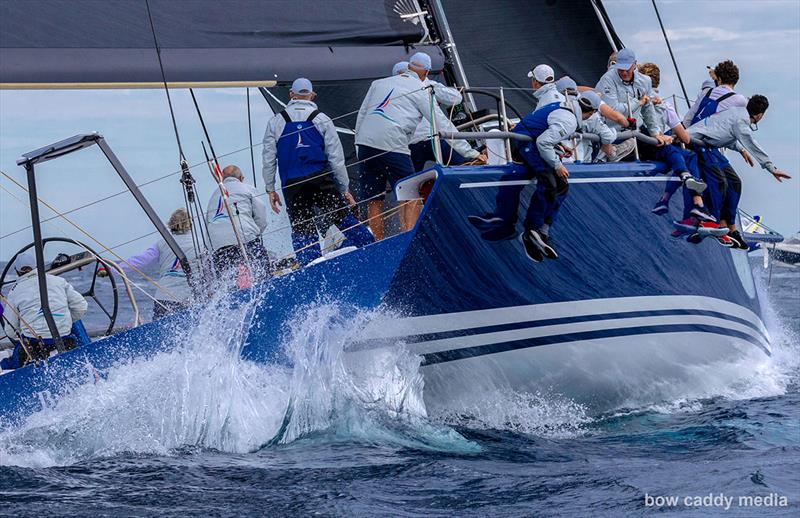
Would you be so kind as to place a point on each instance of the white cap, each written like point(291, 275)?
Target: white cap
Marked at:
point(422, 60)
point(543, 73)
point(399, 67)
point(25, 259)
point(301, 85)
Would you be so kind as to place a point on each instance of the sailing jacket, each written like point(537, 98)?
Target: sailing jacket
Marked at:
point(391, 112)
point(731, 129)
point(548, 94)
point(66, 306)
point(617, 94)
point(172, 280)
point(249, 214)
point(731, 101)
point(548, 126)
point(449, 97)
point(276, 133)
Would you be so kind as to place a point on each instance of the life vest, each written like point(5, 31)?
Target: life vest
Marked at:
point(533, 125)
point(708, 106)
point(301, 149)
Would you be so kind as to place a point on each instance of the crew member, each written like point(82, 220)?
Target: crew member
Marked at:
point(682, 162)
point(544, 86)
point(389, 115)
point(249, 219)
point(732, 129)
point(547, 126)
point(713, 99)
point(630, 92)
point(173, 292)
point(454, 152)
point(302, 142)
point(27, 326)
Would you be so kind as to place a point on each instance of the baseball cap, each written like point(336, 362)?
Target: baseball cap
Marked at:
point(421, 60)
point(25, 259)
point(625, 59)
point(543, 73)
point(301, 85)
point(399, 67)
point(590, 99)
point(566, 83)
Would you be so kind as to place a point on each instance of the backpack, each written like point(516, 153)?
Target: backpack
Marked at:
point(708, 106)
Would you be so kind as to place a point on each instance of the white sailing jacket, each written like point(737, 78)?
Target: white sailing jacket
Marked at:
point(446, 96)
point(249, 214)
point(391, 112)
point(66, 306)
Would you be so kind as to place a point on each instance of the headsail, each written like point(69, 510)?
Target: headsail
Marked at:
point(110, 43)
point(499, 41)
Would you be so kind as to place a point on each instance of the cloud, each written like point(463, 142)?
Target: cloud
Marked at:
point(705, 34)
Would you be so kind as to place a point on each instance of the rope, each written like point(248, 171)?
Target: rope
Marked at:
point(164, 79)
point(87, 234)
point(17, 331)
point(250, 136)
point(671, 54)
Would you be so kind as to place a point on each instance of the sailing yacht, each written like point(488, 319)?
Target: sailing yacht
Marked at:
point(477, 312)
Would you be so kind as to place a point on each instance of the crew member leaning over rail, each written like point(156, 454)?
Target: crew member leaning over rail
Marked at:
point(547, 126)
point(732, 129)
point(682, 162)
point(302, 143)
point(24, 319)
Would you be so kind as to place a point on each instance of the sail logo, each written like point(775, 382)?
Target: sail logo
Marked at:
point(381, 108)
point(220, 212)
point(40, 314)
point(300, 142)
point(175, 270)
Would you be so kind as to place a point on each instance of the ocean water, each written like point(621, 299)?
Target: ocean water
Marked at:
point(199, 432)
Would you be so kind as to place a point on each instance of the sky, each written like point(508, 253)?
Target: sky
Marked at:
point(762, 37)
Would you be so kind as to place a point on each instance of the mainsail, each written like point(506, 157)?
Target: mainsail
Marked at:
point(112, 43)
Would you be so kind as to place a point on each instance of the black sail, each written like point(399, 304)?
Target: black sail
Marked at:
point(109, 43)
point(501, 40)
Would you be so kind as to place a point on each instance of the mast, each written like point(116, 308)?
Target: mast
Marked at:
point(448, 46)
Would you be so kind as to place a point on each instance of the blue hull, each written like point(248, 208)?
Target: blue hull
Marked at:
point(623, 294)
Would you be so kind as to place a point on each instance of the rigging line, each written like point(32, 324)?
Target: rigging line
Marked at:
point(250, 136)
point(98, 258)
point(164, 79)
point(90, 236)
point(669, 47)
point(190, 167)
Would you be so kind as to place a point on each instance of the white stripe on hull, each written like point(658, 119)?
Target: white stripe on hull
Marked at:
point(445, 322)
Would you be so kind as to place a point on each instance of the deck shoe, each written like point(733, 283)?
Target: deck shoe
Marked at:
point(701, 214)
point(661, 208)
point(486, 222)
point(738, 241)
point(547, 247)
point(725, 241)
point(692, 183)
point(533, 252)
point(687, 226)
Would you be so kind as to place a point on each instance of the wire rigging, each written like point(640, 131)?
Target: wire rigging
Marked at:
point(671, 54)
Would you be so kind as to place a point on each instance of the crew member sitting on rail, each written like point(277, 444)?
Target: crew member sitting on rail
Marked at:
point(302, 142)
point(389, 115)
point(732, 129)
point(594, 124)
point(26, 323)
point(630, 92)
point(245, 222)
point(682, 161)
point(454, 152)
point(173, 291)
point(547, 126)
